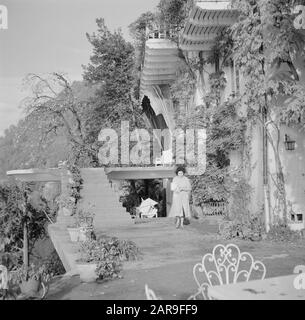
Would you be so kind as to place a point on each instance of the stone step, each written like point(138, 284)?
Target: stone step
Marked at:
point(98, 191)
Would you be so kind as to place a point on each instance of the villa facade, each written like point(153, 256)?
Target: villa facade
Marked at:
point(196, 40)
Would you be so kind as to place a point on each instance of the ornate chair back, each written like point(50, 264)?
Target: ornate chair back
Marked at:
point(150, 295)
point(226, 264)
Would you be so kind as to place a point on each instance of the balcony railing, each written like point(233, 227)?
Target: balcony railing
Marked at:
point(159, 34)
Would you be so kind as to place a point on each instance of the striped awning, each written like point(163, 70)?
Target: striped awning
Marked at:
point(205, 21)
point(160, 63)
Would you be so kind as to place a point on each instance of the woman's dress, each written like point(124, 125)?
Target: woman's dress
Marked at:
point(181, 199)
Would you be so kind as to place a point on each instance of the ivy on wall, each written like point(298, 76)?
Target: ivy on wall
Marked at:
point(225, 130)
point(74, 186)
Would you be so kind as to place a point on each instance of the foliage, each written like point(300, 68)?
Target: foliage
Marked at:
point(282, 233)
point(130, 195)
point(138, 30)
point(53, 265)
point(72, 196)
point(225, 131)
point(269, 51)
point(75, 184)
point(172, 14)
point(33, 272)
point(108, 253)
point(252, 229)
point(15, 210)
point(240, 193)
point(85, 215)
point(183, 89)
point(55, 104)
point(112, 67)
point(222, 49)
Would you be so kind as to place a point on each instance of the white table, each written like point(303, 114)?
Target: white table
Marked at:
point(281, 288)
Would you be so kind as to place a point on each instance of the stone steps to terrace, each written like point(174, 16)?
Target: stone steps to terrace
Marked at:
point(97, 191)
point(109, 216)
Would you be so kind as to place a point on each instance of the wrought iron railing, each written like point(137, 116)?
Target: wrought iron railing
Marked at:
point(160, 34)
point(215, 208)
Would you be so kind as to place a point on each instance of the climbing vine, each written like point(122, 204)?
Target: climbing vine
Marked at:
point(225, 130)
point(266, 49)
point(71, 199)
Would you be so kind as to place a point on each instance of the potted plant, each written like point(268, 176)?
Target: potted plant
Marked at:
point(103, 258)
point(87, 264)
point(74, 231)
point(29, 279)
point(85, 218)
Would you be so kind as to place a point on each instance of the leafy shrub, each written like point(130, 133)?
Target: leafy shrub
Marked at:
point(33, 272)
point(108, 253)
point(245, 230)
point(281, 232)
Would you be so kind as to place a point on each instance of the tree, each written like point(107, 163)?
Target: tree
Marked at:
point(56, 105)
point(112, 66)
point(22, 222)
point(172, 13)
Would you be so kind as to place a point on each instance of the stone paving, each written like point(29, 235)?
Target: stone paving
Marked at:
point(168, 258)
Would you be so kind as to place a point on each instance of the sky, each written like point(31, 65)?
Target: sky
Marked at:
point(45, 36)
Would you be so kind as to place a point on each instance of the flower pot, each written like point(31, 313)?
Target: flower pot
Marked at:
point(74, 234)
point(87, 272)
point(30, 287)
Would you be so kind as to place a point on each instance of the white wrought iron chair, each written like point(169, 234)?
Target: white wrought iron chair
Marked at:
point(150, 294)
point(226, 264)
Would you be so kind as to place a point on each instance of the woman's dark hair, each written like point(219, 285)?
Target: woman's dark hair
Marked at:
point(180, 169)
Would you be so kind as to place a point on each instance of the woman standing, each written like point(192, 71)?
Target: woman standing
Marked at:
point(181, 187)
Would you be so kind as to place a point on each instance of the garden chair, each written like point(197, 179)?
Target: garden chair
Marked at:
point(150, 295)
point(147, 209)
point(226, 264)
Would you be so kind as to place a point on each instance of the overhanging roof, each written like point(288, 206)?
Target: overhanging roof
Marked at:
point(160, 63)
point(205, 21)
point(36, 175)
point(137, 173)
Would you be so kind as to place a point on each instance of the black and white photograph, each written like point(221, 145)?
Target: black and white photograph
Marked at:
point(152, 150)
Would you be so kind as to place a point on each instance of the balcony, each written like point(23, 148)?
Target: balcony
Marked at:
point(160, 60)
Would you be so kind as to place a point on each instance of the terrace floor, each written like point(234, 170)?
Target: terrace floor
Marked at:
point(168, 258)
